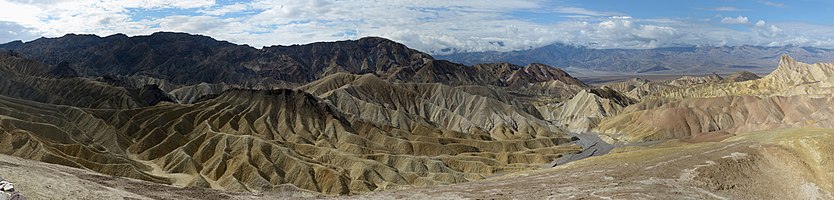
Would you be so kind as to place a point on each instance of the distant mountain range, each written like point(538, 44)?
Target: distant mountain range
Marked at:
point(672, 60)
point(186, 59)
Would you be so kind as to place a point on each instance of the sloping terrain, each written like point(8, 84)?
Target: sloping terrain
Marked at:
point(790, 78)
point(638, 88)
point(740, 149)
point(776, 164)
point(185, 59)
point(190, 59)
point(794, 95)
point(39, 180)
point(719, 115)
point(259, 140)
point(406, 105)
point(188, 67)
point(32, 80)
point(379, 116)
point(585, 110)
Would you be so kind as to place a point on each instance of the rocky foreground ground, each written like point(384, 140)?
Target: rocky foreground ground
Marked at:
point(7, 191)
point(776, 164)
point(38, 180)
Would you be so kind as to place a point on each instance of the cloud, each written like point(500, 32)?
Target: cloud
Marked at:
point(428, 25)
point(735, 20)
point(621, 17)
point(622, 33)
point(26, 14)
point(58, 17)
point(760, 23)
point(190, 24)
point(726, 9)
point(772, 4)
point(583, 11)
point(153, 3)
point(10, 31)
point(226, 9)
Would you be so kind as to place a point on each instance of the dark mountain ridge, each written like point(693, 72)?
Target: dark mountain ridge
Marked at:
point(186, 59)
point(183, 67)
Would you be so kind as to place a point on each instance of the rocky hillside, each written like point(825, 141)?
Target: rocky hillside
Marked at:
point(774, 164)
point(32, 80)
point(188, 59)
point(708, 137)
point(791, 77)
point(188, 67)
point(792, 96)
point(259, 140)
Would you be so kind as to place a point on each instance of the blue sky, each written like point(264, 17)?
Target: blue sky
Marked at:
point(810, 11)
point(439, 26)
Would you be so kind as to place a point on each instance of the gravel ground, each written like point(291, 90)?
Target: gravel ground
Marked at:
point(38, 180)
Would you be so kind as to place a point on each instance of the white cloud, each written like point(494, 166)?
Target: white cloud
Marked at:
point(735, 20)
point(58, 17)
point(760, 23)
point(583, 11)
point(769, 32)
point(192, 24)
point(427, 25)
point(10, 31)
point(233, 8)
point(25, 14)
point(726, 9)
point(153, 3)
point(620, 33)
point(773, 4)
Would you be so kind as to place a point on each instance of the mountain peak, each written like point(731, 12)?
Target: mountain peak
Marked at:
point(376, 39)
point(791, 71)
point(184, 58)
point(787, 60)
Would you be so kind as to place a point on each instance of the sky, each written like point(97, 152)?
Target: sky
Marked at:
point(439, 26)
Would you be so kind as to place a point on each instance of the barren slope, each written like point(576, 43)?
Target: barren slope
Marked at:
point(656, 120)
point(777, 164)
point(790, 78)
point(406, 105)
point(39, 180)
point(260, 140)
point(794, 95)
point(32, 80)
